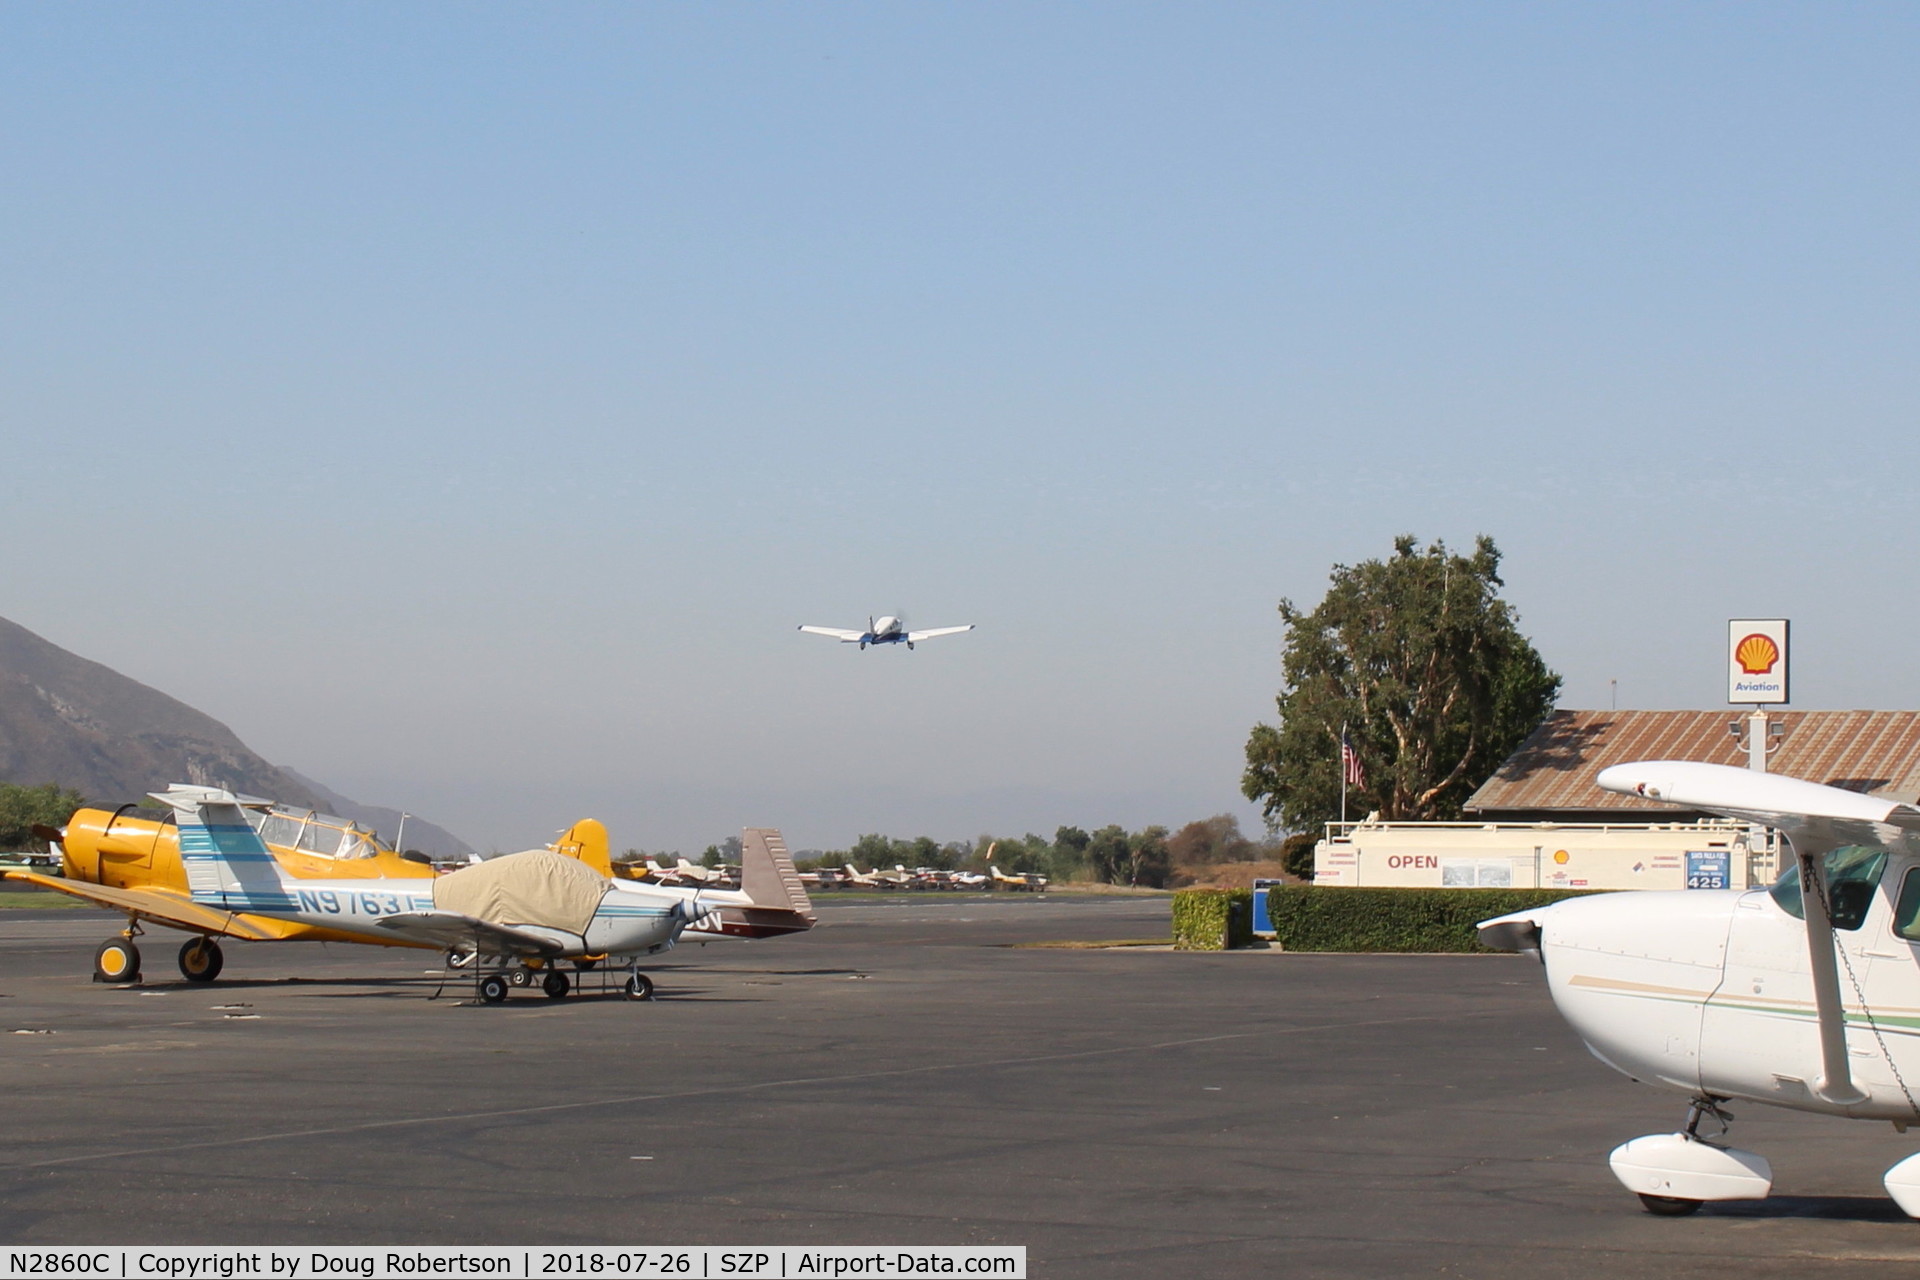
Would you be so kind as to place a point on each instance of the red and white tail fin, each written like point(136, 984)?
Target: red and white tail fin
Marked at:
point(766, 872)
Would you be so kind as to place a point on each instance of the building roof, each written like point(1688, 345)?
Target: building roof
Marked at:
point(1552, 774)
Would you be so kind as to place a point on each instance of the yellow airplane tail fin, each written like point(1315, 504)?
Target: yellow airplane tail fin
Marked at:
point(587, 841)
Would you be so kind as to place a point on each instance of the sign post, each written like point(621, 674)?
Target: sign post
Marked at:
point(1757, 676)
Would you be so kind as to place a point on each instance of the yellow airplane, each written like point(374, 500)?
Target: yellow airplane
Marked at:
point(133, 865)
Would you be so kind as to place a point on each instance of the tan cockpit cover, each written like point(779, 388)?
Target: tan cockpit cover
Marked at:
point(537, 888)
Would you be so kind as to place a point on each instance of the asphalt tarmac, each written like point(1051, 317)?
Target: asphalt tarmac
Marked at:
point(900, 1075)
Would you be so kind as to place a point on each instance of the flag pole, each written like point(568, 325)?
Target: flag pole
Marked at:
point(1343, 775)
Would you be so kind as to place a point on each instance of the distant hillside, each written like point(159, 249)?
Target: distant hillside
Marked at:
point(435, 842)
point(66, 720)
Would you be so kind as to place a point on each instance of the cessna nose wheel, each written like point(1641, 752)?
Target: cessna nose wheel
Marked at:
point(1670, 1206)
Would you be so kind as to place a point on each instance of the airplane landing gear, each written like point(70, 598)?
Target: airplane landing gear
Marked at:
point(117, 961)
point(1670, 1206)
point(200, 960)
point(1675, 1173)
point(493, 989)
point(639, 986)
point(555, 984)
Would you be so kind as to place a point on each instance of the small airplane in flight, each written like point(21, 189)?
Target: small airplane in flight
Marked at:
point(1804, 996)
point(888, 630)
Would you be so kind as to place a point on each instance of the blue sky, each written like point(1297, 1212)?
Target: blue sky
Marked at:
point(466, 403)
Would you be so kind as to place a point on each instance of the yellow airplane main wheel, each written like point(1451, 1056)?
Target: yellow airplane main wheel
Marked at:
point(117, 960)
point(200, 960)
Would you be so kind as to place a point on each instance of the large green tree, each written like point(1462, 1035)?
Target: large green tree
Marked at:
point(1423, 662)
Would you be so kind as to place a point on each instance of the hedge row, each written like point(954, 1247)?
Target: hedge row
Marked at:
point(1332, 919)
point(1212, 919)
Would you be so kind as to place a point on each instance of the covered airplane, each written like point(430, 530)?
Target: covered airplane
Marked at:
point(1804, 996)
point(887, 630)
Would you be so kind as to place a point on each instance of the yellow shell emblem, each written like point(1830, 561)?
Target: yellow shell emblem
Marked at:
point(1756, 654)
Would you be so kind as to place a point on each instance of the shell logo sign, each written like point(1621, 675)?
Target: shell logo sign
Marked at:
point(1756, 654)
point(1757, 660)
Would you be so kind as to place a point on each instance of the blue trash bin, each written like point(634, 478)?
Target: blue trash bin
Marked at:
point(1262, 922)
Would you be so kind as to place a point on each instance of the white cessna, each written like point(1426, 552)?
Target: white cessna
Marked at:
point(1802, 999)
point(888, 630)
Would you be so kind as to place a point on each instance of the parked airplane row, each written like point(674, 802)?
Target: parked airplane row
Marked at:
point(922, 878)
point(227, 866)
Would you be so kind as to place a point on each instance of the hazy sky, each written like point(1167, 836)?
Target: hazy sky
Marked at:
point(465, 403)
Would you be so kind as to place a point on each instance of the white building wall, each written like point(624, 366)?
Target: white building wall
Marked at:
point(1540, 855)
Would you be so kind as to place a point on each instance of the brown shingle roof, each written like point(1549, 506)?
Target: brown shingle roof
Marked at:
point(1553, 771)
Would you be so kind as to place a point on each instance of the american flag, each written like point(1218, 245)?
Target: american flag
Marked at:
point(1350, 762)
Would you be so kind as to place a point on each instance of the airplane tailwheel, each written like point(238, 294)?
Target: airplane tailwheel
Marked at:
point(117, 960)
point(493, 989)
point(200, 960)
point(521, 977)
point(556, 986)
point(639, 987)
point(1669, 1206)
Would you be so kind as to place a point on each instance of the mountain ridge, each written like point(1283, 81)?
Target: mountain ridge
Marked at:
point(78, 723)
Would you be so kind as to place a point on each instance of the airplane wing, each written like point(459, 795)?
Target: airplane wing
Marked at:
point(917, 636)
point(160, 908)
point(1812, 814)
point(838, 633)
point(451, 929)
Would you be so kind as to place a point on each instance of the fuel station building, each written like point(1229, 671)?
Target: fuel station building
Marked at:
point(1542, 820)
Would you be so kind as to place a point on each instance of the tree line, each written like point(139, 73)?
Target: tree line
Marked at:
point(23, 808)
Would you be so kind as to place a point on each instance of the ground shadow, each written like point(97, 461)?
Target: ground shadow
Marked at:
point(1832, 1208)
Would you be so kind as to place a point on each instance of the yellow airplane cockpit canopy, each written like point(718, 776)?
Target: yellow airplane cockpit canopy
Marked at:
point(319, 834)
